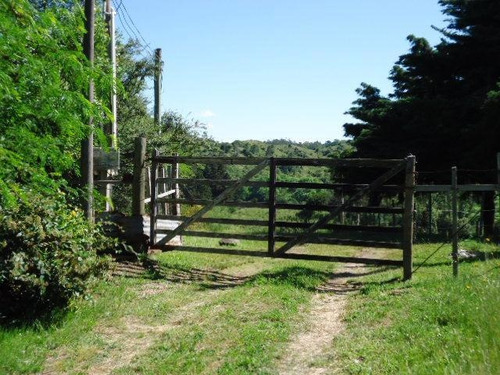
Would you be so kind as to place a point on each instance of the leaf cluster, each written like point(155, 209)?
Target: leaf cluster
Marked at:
point(48, 254)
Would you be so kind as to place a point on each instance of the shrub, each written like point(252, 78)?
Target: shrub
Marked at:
point(48, 254)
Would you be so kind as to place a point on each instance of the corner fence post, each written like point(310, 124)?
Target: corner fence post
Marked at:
point(409, 196)
point(153, 210)
point(272, 207)
point(139, 180)
point(454, 210)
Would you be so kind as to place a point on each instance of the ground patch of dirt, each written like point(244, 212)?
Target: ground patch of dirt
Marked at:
point(325, 322)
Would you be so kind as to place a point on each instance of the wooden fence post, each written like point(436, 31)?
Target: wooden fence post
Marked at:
point(153, 211)
point(175, 174)
point(408, 218)
point(454, 210)
point(139, 181)
point(272, 207)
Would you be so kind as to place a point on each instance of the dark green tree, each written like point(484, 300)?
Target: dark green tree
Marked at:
point(444, 107)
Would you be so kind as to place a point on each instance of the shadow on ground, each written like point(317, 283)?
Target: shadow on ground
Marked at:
point(348, 280)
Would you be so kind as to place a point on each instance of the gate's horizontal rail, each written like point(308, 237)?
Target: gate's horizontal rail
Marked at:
point(236, 236)
point(262, 223)
point(203, 202)
point(343, 187)
point(292, 185)
point(355, 163)
point(205, 181)
point(319, 240)
point(447, 188)
point(328, 258)
point(313, 239)
point(311, 207)
point(286, 206)
point(287, 224)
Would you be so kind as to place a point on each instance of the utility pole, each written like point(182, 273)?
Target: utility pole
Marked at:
point(110, 19)
point(113, 130)
point(157, 88)
point(88, 144)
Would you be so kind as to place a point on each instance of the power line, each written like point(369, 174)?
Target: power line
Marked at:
point(137, 29)
point(130, 27)
point(129, 31)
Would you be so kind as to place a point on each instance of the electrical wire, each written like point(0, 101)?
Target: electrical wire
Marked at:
point(132, 31)
point(136, 28)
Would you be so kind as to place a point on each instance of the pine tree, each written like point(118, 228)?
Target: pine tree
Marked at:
point(445, 103)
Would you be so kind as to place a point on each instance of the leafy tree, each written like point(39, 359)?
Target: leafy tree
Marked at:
point(47, 248)
point(43, 83)
point(444, 107)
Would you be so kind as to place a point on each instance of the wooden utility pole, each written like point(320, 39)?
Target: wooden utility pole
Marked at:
point(88, 144)
point(112, 130)
point(110, 19)
point(157, 88)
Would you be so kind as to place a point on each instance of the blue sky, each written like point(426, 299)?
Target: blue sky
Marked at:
point(266, 69)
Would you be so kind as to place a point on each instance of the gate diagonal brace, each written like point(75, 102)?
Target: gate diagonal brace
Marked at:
point(323, 221)
point(221, 197)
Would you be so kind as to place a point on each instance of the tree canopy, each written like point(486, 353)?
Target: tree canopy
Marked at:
point(445, 104)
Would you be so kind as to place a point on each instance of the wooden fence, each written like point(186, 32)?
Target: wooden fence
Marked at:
point(282, 236)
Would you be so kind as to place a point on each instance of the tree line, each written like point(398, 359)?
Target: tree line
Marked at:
point(445, 103)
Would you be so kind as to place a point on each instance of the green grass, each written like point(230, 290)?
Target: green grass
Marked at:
point(435, 324)
point(226, 314)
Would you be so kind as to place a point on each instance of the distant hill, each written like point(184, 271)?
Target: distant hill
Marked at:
point(283, 148)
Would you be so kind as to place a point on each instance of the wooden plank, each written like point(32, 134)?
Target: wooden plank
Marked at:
point(464, 188)
point(295, 256)
point(236, 236)
point(341, 227)
point(216, 201)
point(409, 206)
point(162, 195)
point(352, 163)
point(211, 160)
point(341, 259)
point(261, 223)
point(331, 186)
point(320, 223)
point(203, 202)
point(326, 240)
point(204, 181)
point(348, 163)
point(343, 208)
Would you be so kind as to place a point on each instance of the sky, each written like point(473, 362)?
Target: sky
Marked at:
point(275, 69)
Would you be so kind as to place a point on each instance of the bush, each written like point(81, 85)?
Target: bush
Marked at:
point(48, 254)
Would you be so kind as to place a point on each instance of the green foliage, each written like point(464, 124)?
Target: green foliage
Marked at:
point(44, 78)
point(444, 105)
point(48, 254)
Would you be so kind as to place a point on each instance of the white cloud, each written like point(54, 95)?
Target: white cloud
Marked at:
point(207, 113)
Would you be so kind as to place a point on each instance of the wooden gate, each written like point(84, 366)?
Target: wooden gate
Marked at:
point(331, 225)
